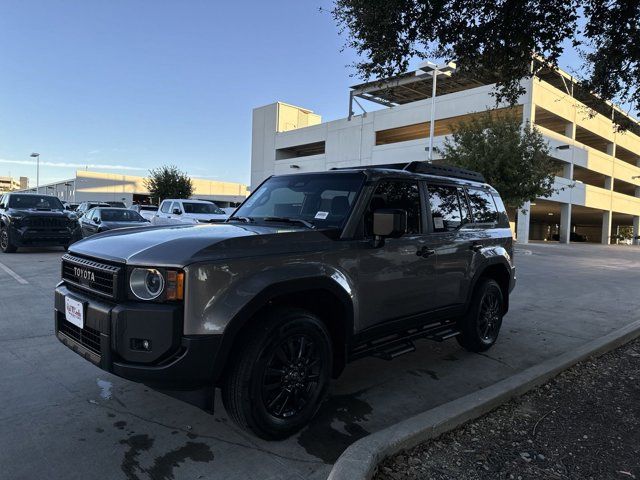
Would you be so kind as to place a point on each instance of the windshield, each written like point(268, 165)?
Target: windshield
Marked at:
point(210, 208)
point(39, 202)
point(120, 215)
point(324, 200)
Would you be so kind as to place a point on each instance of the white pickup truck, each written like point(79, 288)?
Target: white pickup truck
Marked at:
point(177, 211)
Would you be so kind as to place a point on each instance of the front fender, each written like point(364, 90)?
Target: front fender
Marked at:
point(217, 293)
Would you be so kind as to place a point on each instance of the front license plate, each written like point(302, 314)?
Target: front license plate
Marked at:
point(74, 312)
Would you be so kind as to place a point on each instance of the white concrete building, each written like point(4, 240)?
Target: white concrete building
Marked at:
point(130, 189)
point(601, 167)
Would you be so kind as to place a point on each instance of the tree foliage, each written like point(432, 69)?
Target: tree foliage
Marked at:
point(168, 182)
point(495, 39)
point(513, 159)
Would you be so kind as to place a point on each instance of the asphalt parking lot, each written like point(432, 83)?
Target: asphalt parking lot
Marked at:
point(61, 417)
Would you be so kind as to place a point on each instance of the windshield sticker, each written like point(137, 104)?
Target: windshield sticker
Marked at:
point(322, 215)
point(438, 223)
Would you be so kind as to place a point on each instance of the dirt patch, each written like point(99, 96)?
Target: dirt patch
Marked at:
point(584, 424)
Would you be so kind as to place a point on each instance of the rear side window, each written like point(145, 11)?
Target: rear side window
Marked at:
point(444, 203)
point(398, 194)
point(503, 218)
point(165, 207)
point(483, 207)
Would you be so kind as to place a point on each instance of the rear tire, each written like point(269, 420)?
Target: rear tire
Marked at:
point(5, 242)
point(279, 377)
point(481, 324)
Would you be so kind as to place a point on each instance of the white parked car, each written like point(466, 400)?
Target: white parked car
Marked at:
point(177, 211)
point(145, 211)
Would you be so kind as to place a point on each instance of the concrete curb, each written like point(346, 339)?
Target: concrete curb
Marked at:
point(359, 461)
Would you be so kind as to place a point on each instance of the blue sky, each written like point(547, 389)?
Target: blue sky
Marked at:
point(135, 84)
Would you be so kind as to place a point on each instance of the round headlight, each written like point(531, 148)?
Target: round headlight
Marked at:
point(146, 283)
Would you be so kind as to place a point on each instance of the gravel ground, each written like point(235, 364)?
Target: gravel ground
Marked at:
point(584, 424)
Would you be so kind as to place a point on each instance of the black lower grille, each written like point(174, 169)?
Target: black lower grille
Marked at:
point(87, 336)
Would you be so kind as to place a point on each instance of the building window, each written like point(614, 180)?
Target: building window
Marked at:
point(306, 150)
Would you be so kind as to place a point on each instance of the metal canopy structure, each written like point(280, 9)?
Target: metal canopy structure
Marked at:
point(410, 87)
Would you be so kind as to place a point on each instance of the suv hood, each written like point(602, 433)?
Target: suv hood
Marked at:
point(180, 245)
point(205, 216)
point(32, 212)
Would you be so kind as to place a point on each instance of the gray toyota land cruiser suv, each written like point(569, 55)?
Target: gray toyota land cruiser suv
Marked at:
point(312, 271)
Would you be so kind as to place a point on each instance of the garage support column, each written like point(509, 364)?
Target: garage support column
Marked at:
point(522, 233)
point(570, 130)
point(565, 223)
point(636, 230)
point(608, 183)
point(606, 228)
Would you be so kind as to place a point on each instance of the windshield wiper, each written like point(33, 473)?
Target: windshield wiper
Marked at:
point(242, 219)
point(289, 220)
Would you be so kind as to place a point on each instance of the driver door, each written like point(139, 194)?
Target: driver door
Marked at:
point(397, 278)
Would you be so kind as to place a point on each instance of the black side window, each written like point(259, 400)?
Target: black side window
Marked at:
point(397, 194)
point(483, 208)
point(503, 218)
point(445, 208)
point(2, 200)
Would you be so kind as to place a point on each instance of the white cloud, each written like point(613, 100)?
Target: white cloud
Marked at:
point(71, 165)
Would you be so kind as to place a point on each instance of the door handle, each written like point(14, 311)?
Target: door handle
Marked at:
point(476, 247)
point(425, 252)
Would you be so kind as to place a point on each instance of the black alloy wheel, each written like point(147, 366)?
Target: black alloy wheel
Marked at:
point(480, 326)
point(291, 377)
point(280, 373)
point(5, 242)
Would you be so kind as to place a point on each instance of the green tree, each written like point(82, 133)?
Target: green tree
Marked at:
point(168, 182)
point(495, 39)
point(513, 158)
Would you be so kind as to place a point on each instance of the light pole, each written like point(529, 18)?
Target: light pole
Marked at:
point(37, 156)
point(424, 69)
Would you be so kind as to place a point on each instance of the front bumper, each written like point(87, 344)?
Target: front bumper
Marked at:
point(27, 236)
point(174, 362)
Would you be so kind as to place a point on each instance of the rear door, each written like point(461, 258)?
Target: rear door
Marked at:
point(448, 221)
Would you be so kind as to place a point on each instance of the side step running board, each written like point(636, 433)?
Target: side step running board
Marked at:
point(397, 344)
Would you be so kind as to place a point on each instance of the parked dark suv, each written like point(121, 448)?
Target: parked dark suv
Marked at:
point(28, 219)
point(313, 270)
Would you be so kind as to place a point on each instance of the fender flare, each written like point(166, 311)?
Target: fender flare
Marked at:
point(265, 297)
point(491, 263)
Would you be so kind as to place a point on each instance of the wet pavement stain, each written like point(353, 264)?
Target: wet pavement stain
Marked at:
point(137, 444)
point(99, 430)
point(419, 372)
point(325, 442)
point(120, 425)
point(163, 465)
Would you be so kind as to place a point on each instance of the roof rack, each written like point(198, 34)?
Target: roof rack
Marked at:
point(444, 170)
point(425, 167)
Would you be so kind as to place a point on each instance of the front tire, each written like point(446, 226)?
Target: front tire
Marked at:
point(5, 242)
point(481, 324)
point(278, 379)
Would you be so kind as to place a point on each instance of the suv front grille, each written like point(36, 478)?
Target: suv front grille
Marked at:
point(87, 336)
point(54, 223)
point(90, 275)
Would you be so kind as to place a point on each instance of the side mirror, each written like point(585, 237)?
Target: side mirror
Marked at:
point(1, 205)
point(97, 220)
point(389, 222)
point(176, 211)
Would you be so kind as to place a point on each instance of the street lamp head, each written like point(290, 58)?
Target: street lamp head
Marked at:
point(429, 67)
point(33, 155)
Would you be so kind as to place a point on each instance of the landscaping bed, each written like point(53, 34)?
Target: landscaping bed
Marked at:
point(584, 424)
